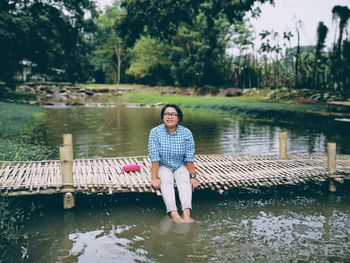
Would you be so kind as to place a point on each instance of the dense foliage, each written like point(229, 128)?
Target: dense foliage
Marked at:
point(198, 30)
point(169, 42)
point(109, 49)
point(51, 36)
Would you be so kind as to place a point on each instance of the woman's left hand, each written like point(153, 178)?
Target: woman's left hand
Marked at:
point(194, 183)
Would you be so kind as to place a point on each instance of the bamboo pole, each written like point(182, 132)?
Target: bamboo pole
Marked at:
point(68, 141)
point(66, 158)
point(331, 163)
point(283, 145)
point(66, 166)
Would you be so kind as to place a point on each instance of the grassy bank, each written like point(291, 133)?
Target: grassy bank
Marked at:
point(284, 105)
point(21, 138)
point(21, 133)
point(256, 106)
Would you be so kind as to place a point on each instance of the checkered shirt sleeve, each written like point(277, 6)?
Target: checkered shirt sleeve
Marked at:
point(153, 145)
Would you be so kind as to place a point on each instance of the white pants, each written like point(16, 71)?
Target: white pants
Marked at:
point(183, 183)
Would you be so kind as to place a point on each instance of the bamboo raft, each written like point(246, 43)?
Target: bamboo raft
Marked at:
point(216, 172)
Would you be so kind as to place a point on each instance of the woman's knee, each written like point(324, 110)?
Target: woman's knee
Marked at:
point(166, 175)
point(182, 175)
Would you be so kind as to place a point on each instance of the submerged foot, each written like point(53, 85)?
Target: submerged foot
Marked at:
point(188, 219)
point(187, 216)
point(177, 219)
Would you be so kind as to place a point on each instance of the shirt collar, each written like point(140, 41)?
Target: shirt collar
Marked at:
point(165, 129)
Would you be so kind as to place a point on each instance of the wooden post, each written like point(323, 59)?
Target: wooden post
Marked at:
point(283, 145)
point(68, 201)
point(331, 162)
point(66, 158)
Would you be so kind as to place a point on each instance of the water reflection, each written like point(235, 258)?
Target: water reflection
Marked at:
point(171, 242)
point(121, 131)
point(243, 137)
point(292, 225)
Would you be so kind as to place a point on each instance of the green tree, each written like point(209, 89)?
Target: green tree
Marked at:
point(298, 27)
point(322, 31)
point(288, 61)
point(150, 61)
point(11, 37)
point(109, 49)
point(199, 28)
point(346, 74)
point(195, 63)
point(49, 34)
point(341, 13)
point(272, 48)
point(242, 39)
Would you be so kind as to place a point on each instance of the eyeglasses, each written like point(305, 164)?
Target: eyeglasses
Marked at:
point(170, 115)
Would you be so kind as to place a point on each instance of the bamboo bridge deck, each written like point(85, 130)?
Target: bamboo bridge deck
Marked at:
point(216, 172)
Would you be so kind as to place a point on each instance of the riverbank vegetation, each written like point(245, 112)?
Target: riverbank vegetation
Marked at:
point(20, 140)
point(280, 104)
point(253, 105)
point(21, 135)
point(168, 43)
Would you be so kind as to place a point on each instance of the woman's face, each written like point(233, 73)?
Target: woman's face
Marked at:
point(170, 118)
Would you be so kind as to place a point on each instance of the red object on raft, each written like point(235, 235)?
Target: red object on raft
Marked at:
point(131, 168)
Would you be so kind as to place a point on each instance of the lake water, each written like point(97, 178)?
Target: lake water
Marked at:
point(122, 131)
point(282, 224)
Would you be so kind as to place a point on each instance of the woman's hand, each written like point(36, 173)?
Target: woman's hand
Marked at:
point(154, 176)
point(194, 183)
point(155, 183)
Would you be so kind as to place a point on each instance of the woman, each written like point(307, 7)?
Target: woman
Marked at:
point(171, 150)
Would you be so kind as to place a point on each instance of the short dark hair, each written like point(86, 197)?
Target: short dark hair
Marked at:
point(177, 108)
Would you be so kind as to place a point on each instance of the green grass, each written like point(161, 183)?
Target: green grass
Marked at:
point(13, 217)
point(21, 133)
point(241, 103)
point(17, 150)
point(15, 118)
point(255, 107)
point(20, 140)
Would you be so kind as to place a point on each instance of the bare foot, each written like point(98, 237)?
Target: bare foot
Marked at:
point(187, 216)
point(188, 219)
point(177, 219)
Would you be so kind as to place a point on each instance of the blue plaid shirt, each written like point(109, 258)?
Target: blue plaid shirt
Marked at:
point(171, 150)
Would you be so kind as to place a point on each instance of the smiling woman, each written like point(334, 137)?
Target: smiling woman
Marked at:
point(171, 150)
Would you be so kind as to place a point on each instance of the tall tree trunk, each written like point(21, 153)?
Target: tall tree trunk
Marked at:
point(265, 69)
point(322, 31)
point(297, 59)
point(118, 51)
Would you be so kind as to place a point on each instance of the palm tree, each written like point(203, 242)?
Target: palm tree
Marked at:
point(322, 31)
point(287, 35)
point(343, 14)
point(298, 26)
point(265, 49)
point(275, 49)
